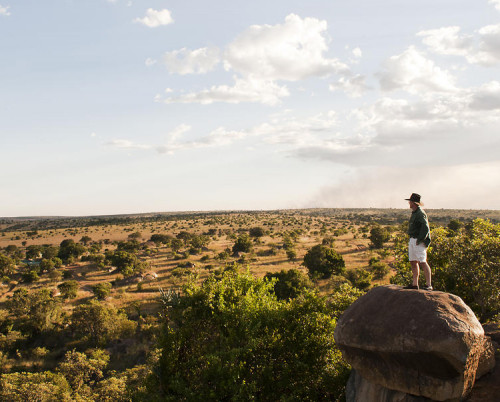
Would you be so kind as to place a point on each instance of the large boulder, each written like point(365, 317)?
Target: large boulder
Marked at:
point(417, 342)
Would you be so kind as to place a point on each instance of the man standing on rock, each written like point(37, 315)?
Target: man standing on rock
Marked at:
point(420, 238)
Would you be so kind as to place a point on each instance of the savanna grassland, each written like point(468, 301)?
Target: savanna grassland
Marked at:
point(89, 294)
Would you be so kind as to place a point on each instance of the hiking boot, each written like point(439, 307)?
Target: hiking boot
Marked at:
point(427, 287)
point(411, 287)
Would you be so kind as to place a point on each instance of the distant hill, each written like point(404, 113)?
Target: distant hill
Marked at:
point(385, 216)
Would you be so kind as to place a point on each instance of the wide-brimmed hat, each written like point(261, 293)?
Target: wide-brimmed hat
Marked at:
point(415, 198)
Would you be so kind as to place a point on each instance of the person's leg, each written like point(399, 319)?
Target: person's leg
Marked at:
point(415, 269)
point(427, 273)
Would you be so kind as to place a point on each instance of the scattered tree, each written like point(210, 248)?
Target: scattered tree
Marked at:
point(322, 262)
point(289, 284)
point(243, 244)
point(68, 289)
point(102, 290)
point(378, 236)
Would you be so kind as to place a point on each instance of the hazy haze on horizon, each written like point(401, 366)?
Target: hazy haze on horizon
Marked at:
point(118, 106)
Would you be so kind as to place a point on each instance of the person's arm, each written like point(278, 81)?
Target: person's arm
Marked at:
point(424, 228)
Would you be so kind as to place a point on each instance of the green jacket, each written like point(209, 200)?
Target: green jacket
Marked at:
point(419, 227)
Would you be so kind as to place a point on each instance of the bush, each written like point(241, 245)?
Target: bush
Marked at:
point(35, 312)
point(322, 262)
point(127, 263)
point(83, 370)
point(291, 254)
point(46, 386)
point(68, 289)
point(360, 278)
point(69, 250)
point(243, 244)
point(234, 333)
point(102, 290)
point(256, 232)
point(378, 236)
point(379, 269)
point(289, 284)
point(161, 239)
point(99, 323)
point(30, 276)
point(7, 265)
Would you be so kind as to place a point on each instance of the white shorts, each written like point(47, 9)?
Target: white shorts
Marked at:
point(417, 252)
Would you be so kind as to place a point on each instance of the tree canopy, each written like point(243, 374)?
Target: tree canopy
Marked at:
point(232, 339)
point(323, 262)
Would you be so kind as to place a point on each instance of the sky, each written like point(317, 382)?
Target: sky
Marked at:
point(128, 106)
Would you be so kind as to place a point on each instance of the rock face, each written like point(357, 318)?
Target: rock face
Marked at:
point(427, 344)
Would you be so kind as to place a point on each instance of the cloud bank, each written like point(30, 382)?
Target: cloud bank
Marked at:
point(260, 58)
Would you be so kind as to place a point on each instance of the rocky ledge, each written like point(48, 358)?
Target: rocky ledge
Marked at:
point(412, 345)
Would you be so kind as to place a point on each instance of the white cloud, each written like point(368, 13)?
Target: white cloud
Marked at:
point(178, 132)
point(150, 62)
point(156, 18)
point(489, 47)
point(486, 97)
point(260, 57)
point(482, 48)
point(291, 51)
point(437, 129)
point(496, 3)
point(198, 61)
point(218, 137)
point(244, 90)
point(282, 129)
point(354, 86)
point(4, 10)
point(447, 40)
point(357, 53)
point(413, 72)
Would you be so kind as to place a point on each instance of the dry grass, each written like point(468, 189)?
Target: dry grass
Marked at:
point(128, 292)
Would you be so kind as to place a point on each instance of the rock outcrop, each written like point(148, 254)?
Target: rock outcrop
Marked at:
point(406, 344)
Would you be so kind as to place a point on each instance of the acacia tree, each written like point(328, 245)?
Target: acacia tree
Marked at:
point(85, 240)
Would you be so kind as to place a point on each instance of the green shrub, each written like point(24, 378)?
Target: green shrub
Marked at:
point(322, 262)
point(68, 289)
point(289, 284)
point(99, 323)
point(231, 339)
point(379, 269)
point(101, 290)
point(45, 386)
point(360, 278)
